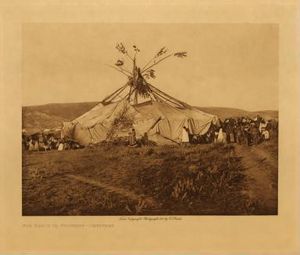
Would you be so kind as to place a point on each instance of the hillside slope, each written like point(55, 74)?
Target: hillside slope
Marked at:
point(52, 115)
point(67, 111)
point(224, 112)
point(40, 117)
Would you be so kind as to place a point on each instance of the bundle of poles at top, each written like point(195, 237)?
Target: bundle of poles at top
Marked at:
point(138, 76)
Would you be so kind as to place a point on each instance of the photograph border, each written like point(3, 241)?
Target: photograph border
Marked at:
point(208, 235)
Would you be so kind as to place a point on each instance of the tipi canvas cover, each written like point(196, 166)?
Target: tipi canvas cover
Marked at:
point(141, 106)
point(162, 122)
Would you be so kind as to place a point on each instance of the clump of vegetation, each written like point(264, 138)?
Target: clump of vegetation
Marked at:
point(214, 180)
point(122, 121)
point(150, 151)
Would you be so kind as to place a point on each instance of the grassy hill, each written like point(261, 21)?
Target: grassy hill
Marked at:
point(224, 112)
point(67, 111)
point(40, 117)
point(52, 115)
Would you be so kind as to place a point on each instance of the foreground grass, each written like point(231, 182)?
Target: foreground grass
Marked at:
point(196, 180)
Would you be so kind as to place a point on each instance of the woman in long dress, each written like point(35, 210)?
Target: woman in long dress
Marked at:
point(60, 146)
point(221, 138)
point(185, 136)
point(31, 145)
point(36, 145)
point(132, 137)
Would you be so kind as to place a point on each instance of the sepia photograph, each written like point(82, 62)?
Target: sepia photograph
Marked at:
point(150, 119)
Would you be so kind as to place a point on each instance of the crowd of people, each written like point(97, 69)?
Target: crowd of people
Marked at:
point(46, 142)
point(243, 130)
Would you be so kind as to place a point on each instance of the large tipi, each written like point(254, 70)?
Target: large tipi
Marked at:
point(141, 106)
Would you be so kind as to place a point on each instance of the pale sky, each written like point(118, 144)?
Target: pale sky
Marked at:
point(228, 65)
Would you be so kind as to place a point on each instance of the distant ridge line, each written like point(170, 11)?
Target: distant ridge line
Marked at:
point(51, 115)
